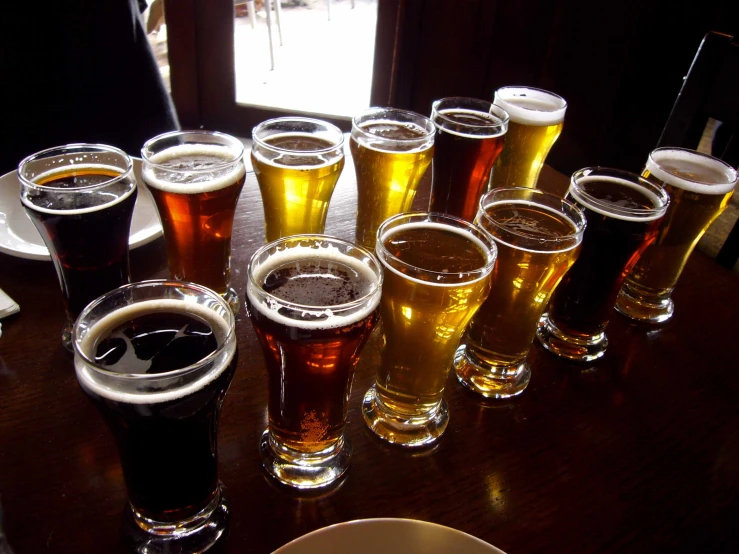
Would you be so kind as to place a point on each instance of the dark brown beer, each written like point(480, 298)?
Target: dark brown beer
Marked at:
point(166, 440)
point(467, 144)
point(86, 232)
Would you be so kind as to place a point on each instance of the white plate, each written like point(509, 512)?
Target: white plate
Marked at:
point(388, 536)
point(18, 236)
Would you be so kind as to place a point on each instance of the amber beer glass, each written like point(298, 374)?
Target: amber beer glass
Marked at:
point(81, 197)
point(437, 273)
point(297, 162)
point(700, 188)
point(538, 237)
point(623, 212)
point(313, 301)
point(156, 359)
point(391, 150)
point(536, 121)
point(195, 178)
point(469, 137)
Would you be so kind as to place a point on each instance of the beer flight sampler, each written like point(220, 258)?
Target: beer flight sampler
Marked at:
point(466, 286)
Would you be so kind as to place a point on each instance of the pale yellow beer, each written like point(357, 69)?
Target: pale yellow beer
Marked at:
point(437, 273)
point(536, 120)
point(297, 162)
point(538, 237)
point(700, 188)
point(392, 150)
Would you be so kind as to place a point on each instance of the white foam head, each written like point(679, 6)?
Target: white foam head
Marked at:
point(90, 380)
point(530, 106)
point(196, 179)
point(269, 306)
point(72, 195)
point(692, 171)
point(442, 227)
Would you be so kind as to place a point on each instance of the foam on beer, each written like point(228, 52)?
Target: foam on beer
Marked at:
point(329, 320)
point(183, 173)
point(442, 227)
point(700, 173)
point(86, 375)
point(79, 193)
point(527, 106)
point(652, 215)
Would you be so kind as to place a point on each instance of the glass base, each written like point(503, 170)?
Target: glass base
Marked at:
point(304, 470)
point(196, 534)
point(643, 308)
point(232, 299)
point(405, 430)
point(67, 339)
point(570, 346)
point(488, 380)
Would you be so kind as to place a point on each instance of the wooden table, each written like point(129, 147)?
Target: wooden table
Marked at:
point(636, 453)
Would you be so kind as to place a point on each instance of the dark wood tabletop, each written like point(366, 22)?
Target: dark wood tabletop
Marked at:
point(638, 452)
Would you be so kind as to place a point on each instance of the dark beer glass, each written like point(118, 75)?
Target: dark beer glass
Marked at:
point(469, 137)
point(313, 301)
point(156, 358)
point(623, 212)
point(195, 178)
point(81, 197)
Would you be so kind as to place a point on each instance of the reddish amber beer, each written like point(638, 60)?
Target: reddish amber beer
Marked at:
point(195, 178)
point(469, 137)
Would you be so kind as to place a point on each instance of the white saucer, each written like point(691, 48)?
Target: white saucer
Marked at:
point(389, 536)
point(18, 236)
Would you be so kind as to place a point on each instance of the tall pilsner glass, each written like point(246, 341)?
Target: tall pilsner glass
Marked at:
point(156, 358)
point(391, 150)
point(700, 188)
point(623, 212)
point(297, 162)
point(81, 197)
point(196, 178)
point(469, 138)
point(538, 237)
point(313, 301)
point(437, 273)
point(536, 122)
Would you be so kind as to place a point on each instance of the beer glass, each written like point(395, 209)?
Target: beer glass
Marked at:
point(81, 197)
point(195, 178)
point(469, 138)
point(536, 121)
point(297, 162)
point(313, 301)
point(623, 212)
point(700, 188)
point(437, 274)
point(538, 237)
point(156, 358)
point(391, 150)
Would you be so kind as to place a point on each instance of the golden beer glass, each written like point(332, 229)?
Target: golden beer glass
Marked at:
point(437, 273)
point(195, 178)
point(297, 162)
point(700, 188)
point(536, 120)
point(391, 150)
point(538, 237)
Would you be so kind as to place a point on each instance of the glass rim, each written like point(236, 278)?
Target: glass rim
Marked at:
point(492, 109)
point(228, 141)
point(81, 147)
point(713, 159)
point(377, 289)
point(144, 377)
point(491, 255)
point(536, 89)
point(330, 127)
point(580, 224)
point(619, 175)
point(428, 125)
